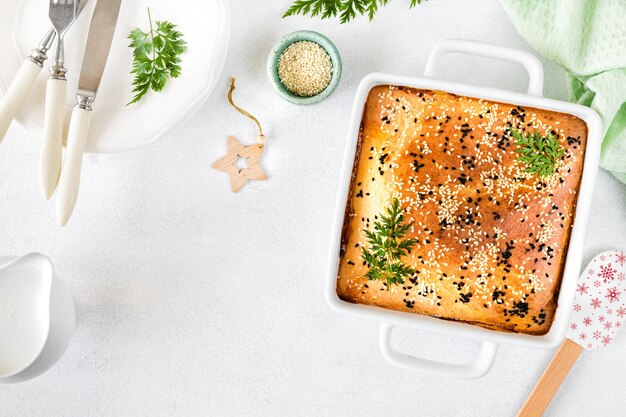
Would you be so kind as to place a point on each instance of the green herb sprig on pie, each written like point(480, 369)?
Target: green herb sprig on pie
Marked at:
point(539, 153)
point(387, 246)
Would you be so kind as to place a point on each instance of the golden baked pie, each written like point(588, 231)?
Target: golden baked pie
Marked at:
point(461, 208)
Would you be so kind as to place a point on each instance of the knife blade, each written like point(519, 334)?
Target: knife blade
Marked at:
point(99, 40)
point(97, 49)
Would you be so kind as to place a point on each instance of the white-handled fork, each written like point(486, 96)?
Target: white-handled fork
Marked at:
point(62, 14)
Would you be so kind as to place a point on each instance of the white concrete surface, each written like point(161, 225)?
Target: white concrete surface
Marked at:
point(194, 301)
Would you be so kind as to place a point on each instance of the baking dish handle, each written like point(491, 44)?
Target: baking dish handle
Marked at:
point(471, 370)
point(529, 61)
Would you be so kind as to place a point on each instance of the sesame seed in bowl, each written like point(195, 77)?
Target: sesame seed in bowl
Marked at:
point(304, 67)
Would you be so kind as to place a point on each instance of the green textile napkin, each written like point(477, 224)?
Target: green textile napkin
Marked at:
point(588, 39)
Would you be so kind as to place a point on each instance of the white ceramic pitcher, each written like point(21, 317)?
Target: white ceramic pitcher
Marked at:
point(37, 317)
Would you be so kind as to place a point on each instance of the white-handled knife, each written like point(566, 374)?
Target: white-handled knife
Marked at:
point(97, 49)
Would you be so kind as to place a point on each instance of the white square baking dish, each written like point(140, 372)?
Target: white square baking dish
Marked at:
point(489, 338)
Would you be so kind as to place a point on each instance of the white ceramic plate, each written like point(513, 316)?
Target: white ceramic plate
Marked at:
point(115, 126)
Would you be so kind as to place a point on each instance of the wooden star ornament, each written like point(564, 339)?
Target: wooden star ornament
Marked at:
point(239, 176)
point(252, 154)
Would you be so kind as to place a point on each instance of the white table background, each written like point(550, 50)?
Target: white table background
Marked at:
point(194, 301)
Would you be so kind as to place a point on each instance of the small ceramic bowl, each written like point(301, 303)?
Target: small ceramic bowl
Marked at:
point(276, 52)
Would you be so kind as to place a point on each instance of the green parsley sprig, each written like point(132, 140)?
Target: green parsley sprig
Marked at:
point(156, 56)
point(539, 153)
point(388, 246)
point(346, 9)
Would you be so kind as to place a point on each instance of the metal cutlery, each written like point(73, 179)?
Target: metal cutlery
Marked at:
point(23, 81)
point(62, 14)
point(99, 40)
point(25, 78)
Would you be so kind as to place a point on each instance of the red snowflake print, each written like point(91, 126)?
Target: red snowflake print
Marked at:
point(621, 258)
point(582, 288)
point(618, 324)
point(621, 276)
point(607, 273)
point(596, 303)
point(591, 272)
point(589, 345)
point(613, 294)
point(601, 319)
point(621, 312)
point(597, 283)
point(597, 334)
point(606, 340)
point(587, 321)
point(609, 311)
point(577, 307)
point(582, 336)
point(602, 258)
point(608, 325)
point(573, 326)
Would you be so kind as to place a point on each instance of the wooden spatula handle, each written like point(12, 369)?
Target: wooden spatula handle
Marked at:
point(551, 379)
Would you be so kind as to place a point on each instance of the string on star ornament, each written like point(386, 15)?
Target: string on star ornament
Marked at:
point(235, 151)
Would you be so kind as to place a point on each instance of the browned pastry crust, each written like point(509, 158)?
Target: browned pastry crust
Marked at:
point(492, 238)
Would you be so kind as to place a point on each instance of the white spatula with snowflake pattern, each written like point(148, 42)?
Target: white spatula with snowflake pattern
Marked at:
point(599, 310)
